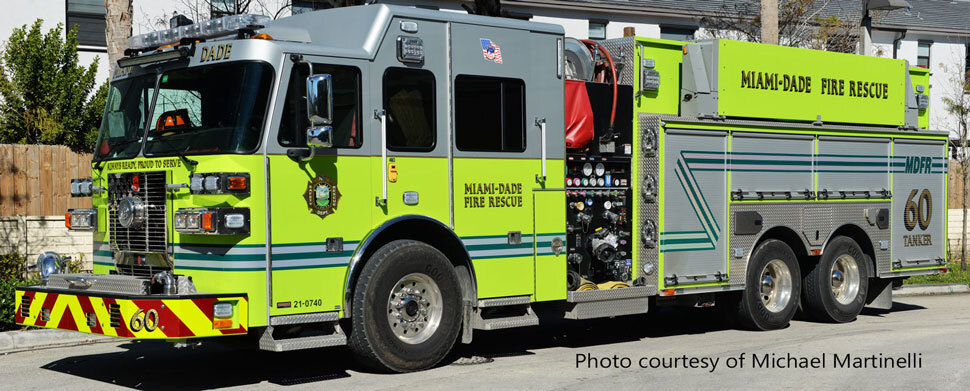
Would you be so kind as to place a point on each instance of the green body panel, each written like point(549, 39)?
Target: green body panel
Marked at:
point(745, 89)
point(921, 77)
point(550, 269)
point(667, 56)
point(484, 189)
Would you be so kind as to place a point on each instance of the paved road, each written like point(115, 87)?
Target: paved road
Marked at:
point(932, 333)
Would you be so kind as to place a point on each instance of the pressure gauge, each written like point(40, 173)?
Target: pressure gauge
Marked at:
point(585, 181)
point(589, 201)
point(608, 205)
point(600, 169)
point(569, 181)
point(587, 169)
point(600, 182)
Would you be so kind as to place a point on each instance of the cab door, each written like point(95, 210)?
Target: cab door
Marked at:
point(410, 100)
point(496, 157)
point(319, 206)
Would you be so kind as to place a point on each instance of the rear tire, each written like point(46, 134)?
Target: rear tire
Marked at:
point(772, 287)
point(835, 288)
point(407, 308)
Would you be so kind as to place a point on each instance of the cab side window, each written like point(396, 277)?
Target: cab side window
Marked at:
point(409, 102)
point(347, 120)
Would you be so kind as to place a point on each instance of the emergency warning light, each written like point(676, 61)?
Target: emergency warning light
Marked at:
point(218, 27)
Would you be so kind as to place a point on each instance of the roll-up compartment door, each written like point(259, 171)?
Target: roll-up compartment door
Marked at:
point(692, 238)
point(853, 167)
point(919, 204)
point(771, 166)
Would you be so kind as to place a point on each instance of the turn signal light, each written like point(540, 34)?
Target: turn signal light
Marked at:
point(207, 221)
point(238, 183)
point(67, 220)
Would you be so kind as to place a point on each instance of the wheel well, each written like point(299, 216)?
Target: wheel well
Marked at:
point(790, 238)
point(422, 229)
point(861, 238)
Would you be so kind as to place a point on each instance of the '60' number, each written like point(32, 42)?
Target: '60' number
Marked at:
point(921, 212)
point(144, 320)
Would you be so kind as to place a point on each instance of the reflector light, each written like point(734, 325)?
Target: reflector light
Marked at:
point(67, 220)
point(222, 323)
point(668, 292)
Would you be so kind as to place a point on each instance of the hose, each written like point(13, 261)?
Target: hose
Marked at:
point(609, 58)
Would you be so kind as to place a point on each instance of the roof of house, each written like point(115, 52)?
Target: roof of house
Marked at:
point(941, 16)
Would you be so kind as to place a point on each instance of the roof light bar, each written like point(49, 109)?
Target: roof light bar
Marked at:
point(226, 25)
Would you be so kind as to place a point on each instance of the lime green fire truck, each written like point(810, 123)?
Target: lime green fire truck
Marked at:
point(393, 179)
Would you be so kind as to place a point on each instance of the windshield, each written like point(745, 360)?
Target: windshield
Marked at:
point(124, 118)
point(208, 110)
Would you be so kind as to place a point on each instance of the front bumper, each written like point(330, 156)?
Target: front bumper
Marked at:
point(131, 316)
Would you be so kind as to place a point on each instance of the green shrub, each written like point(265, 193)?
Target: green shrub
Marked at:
point(12, 266)
point(8, 305)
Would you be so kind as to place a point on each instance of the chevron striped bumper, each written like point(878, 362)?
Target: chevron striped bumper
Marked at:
point(141, 317)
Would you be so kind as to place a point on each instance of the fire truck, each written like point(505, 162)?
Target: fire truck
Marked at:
point(394, 179)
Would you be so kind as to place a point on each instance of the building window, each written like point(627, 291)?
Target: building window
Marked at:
point(489, 114)
point(88, 17)
point(677, 33)
point(923, 55)
point(597, 29)
point(301, 6)
point(409, 102)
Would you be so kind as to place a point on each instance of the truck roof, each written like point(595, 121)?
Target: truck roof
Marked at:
point(357, 31)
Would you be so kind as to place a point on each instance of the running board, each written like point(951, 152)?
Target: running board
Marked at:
point(607, 302)
point(504, 313)
point(332, 335)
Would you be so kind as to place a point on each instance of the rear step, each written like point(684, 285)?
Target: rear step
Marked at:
point(329, 332)
point(504, 313)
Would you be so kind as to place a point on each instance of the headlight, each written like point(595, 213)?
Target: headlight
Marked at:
point(48, 263)
point(219, 183)
point(81, 219)
point(222, 310)
point(212, 221)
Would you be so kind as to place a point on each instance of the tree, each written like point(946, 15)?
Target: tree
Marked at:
point(801, 23)
point(956, 102)
point(47, 97)
point(117, 29)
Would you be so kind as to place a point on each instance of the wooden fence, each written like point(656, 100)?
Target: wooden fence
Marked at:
point(35, 180)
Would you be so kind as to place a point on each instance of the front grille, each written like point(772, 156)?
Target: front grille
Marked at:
point(139, 270)
point(149, 188)
point(25, 306)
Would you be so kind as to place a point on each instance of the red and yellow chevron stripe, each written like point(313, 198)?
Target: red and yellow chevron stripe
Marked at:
point(140, 317)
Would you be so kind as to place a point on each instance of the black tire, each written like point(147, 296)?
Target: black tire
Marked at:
point(819, 298)
point(372, 337)
point(755, 313)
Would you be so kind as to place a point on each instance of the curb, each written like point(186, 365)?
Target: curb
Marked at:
point(931, 289)
point(11, 341)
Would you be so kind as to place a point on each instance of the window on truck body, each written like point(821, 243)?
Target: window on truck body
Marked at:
point(409, 103)
point(489, 114)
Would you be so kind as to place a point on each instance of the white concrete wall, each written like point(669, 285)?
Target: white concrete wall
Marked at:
point(33, 235)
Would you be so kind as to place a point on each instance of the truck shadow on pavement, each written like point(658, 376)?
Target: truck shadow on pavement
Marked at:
point(159, 365)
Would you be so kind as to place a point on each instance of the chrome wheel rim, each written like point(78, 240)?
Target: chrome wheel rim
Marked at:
point(414, 308)
point(845, 279)
point(775, 285)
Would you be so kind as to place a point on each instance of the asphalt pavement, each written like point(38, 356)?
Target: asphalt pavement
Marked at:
point(922, 343)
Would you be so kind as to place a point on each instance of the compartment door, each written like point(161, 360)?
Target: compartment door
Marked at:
point(694, 199)
point(919, 204)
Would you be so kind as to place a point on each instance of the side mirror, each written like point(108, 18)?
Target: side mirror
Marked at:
point(319, 100)
point(319, 136)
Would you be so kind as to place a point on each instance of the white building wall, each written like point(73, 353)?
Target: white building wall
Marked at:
point(947, 64)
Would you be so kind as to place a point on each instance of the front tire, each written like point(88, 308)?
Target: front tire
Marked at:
point(772, 287)
point(407, 308)
point(836, 287)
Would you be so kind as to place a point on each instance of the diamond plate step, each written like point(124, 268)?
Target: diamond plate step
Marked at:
point(528, 319)
point(267, 342)
point(503, 301)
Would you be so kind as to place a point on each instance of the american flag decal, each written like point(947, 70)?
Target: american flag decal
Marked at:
point(491, 51)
